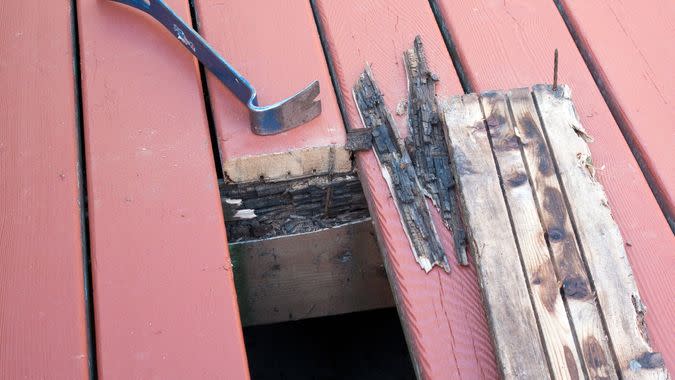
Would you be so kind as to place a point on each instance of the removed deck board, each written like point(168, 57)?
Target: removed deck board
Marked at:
point(276, 46)
point(629, 46)
point(603, 304)
point(164, 297)
point(43, 328)
point(510, 44)
point(442, 315)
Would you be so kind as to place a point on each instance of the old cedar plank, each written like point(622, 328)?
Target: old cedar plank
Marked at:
point(507, 44)
point(43, 328)
point(510, 313)
point(554, 325)
point(629, 48)
point(569, 267)
point(275, 45)
point(164, 299)
point(601, 242)
point(426, 145)
point(326, 272)
point(447, 334)
point(400, 174)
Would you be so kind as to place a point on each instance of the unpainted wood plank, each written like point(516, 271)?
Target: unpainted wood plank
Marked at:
point(599, 236)
point(275, 46)
point(575, 284)
point(510, 44)
point(327, 272)
point(42, 302)
point(164, 297)
point(629, 48)
point(543, 282)
point(442, 316)
point(490, 236)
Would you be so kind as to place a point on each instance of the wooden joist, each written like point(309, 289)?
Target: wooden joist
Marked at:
point(527, 152)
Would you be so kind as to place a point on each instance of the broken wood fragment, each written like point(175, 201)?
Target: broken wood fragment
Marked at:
point(512, 319)
point(426, 144)
point(598, 236)
point(400, 175)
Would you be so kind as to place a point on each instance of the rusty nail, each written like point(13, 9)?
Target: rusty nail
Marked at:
point(555, 70)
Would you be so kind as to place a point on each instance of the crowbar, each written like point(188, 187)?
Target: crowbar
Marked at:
point(265, 120)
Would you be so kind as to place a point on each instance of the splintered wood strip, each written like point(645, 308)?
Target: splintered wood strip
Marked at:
point(164, 297)
point(442, 315)
point(569, 267)
point(512, 319)
point(400, 174)
point(275, 45)
point(629, 47)
point(599, 236)
point(426, 144)
point(556, 330)
point(507, 44)
point(43, 328)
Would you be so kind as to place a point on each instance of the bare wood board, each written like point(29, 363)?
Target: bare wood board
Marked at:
point(559, 292)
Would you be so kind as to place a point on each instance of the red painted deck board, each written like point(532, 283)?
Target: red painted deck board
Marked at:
point(442, 314)
point(510, 44)
point(164, 298)
point(631, 44)
point(276, 46)
point(42, 311)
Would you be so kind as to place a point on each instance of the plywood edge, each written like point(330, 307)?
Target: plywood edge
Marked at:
point(294, 163)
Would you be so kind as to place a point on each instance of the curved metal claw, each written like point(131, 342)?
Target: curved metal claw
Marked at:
point(265, 120)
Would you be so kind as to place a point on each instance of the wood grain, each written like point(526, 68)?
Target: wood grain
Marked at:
point(574, 281)
point(599, 236)
point(543, 282)
point(629, 47)
point(276, 46)
point(491, 240)
point(164, 297)
point(42, 304)
point(327, 272)
point(510, 44)
point(442, 315)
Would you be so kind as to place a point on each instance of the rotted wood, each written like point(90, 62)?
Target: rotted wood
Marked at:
point(400, 175)
point(268, 209)
point(426, 144)
point(599, 238)
point(326, 272)
point(512, 320)
point(556, 330)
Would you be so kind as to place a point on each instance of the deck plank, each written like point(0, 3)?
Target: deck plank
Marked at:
point(510, 44)
point(442, 314)
point(164, 298)
point(629, 45)
point(276, 46)
point(42, 304)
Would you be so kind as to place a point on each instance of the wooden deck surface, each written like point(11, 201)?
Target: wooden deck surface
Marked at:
point(164, 304)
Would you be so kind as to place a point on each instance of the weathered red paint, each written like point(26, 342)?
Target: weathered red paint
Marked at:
point(42, 311)
point(511, 44)
point(630, 43)
point(276, 46)
point(164, 299)
point(442, 313)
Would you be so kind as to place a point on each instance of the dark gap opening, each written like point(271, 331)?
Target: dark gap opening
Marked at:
point(451, 47)
point(615, 110)
point(582, 252)
point(363, 345)
point(207, 102)
point(502, 187)
point(83, 198)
